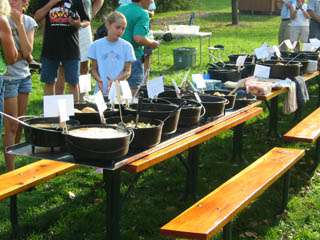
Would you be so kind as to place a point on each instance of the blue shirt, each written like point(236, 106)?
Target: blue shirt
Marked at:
point(285, 11)
point(314, 5)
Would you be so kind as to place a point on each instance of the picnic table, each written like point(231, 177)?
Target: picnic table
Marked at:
point(189, 140)
point(273, 98)
point(177, 34)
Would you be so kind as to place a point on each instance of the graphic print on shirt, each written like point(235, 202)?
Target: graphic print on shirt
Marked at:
point(113, 59)
point(59, 15)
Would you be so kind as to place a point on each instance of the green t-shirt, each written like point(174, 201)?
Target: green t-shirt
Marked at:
point(138, 23)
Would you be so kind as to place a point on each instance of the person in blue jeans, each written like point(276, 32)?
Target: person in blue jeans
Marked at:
point(137, 32)
point(17, 78)
point(63, 18)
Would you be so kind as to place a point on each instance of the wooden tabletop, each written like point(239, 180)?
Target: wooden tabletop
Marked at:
point(193, 140)
point(306, 77)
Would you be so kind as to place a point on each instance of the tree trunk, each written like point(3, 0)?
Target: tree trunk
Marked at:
point(235, 12)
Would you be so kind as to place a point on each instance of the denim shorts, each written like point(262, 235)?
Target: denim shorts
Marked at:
point(13, 87)
point(137, 74)
point(50, 67)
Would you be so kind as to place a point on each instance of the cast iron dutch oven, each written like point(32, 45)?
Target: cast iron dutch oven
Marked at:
point(224, 74)
point(86, 117)
point(169, 113)
point(282, 70)
point(145, 137)
point(191, 112)
point(246, 71)
point(244, 99)
point(102, 149)
point(214, 105)
point(224, 93)
point(50, 136)
point(250, 58)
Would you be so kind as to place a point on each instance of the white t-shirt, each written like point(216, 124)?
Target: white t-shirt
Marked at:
point(300, 20)
point(111, 58)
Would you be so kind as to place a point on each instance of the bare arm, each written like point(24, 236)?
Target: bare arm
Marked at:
point(126, 72)
point(95, 73)
point(145, 41)
point(25, 39)
point(42, 12)
point(97, 5)
point(313, 16)
point(7, 42)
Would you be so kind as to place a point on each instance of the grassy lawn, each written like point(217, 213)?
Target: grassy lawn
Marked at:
point(49, 213)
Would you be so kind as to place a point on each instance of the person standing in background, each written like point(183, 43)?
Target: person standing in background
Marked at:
point(61, 41)
point(314, 12)
point(91, 7)
point(17, 79)
point(284, 30)
point(137, 33)
point(8, 50)
point(299, 26)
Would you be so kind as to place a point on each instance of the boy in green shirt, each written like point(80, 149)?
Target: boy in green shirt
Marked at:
point(137, 33)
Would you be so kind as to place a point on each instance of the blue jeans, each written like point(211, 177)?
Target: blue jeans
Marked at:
point(137, 74)
point(50, 67)
point(13, 87)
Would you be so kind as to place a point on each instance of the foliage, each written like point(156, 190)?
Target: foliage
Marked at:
point(169, 5)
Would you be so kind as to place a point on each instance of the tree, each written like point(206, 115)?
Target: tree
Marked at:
point(235, 12)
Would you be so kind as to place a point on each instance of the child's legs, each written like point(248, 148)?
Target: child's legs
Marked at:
point(59, 86)
point(305, 34)
point(49, 70)
point(25, 88)
point(10, 126)
point(295, 35)
point(72, 73)
point(137, 75)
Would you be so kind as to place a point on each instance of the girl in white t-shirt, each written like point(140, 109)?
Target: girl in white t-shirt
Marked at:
point(299, 26)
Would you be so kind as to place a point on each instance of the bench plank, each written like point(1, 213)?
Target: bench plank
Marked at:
point(189, 142)
point(308, 130)
point(209, 215)
point(31, 175)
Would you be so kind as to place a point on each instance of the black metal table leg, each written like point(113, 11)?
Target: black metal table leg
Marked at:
point(318, 79)
point(227, 231)
point(237, 157)
point(113, 205)
point(192, 173)
point(285, 191)
point(273, 118)
point(14, 216)
point(317, 157)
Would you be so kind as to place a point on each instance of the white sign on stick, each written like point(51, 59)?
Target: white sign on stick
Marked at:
point(101, 104)
point(199, 81)
point(51, 107)
point(261, 71)
point(85, 83)
point(155, 87)
point(125, 90)
point(63, 113)
point(241, 60)
point(315, 42)
point(288, 43)
point(262, 52)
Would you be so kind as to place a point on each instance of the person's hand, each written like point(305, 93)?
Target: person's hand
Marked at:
point(100, 85)
point(75, 21)
point(16, 16)
point(29, 58)
point(154, 44)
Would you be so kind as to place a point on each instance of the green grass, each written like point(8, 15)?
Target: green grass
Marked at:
point(49, 213)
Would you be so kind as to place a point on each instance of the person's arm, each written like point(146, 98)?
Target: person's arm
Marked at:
point(145, 41)
point(25, 39)
point(42, 12)
point(7, 43)
point(125, 73)
point(311, 11)
point(96, 6)
point(305, 13)
point(95, 73)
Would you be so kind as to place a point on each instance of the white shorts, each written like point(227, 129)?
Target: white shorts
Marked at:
point(85, 40)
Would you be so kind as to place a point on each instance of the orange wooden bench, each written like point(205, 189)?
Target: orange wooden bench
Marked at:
point(26, 177)
point(308, 130)
point(215, 212)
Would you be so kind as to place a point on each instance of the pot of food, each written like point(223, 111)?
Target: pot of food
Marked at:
point(246, 70)
point(46, 132)
point(86, 113)
point(283, 69)
point(214, 105)
point(224, 74)
point(191, 112)
point(98, 142)
point(250, 58)
point(147, 132)
point(225, 94)
point(244, 99)
point(169, 113)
